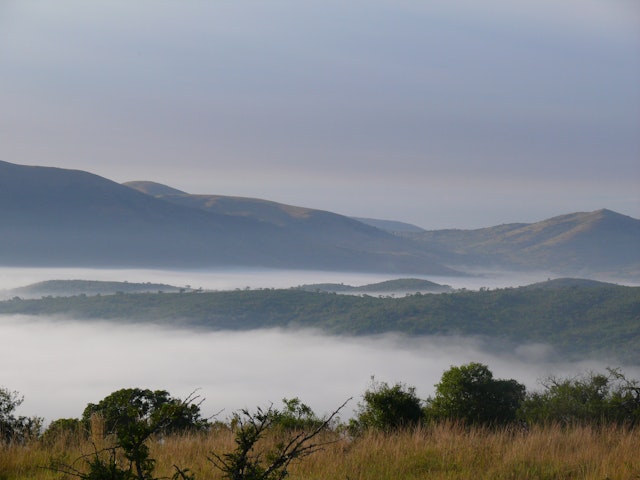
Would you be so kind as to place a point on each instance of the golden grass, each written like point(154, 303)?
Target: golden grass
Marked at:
point(438, 452)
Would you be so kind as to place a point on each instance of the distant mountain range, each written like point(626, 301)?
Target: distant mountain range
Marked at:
point(581, 244)
point(58, 217)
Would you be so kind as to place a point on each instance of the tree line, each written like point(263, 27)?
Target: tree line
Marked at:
point(577, 321)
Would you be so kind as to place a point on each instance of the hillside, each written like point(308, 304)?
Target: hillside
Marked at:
point(59, 217)
point(391, 225)
point(66, 218)
point(319, 225)
point(67, 288)
point(600, 242)
point(584, 322)
point(398, 286)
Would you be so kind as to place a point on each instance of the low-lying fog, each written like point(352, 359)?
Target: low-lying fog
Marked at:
point(60, 366)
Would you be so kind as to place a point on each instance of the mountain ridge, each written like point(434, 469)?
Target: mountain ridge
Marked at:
point(59, 217)
point(54, 216)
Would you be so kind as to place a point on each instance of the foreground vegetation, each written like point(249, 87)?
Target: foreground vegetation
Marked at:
point(597, 320)
point(475, 426)
point(445, 451)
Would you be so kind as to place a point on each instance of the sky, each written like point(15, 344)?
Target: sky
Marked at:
point(444, 114)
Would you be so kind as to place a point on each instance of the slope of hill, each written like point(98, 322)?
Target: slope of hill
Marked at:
point(317, 224)
point(391, 225)
point(67, 288)
point(568, 283)
point(602, 242)
point(582, 322)
point(400, 285)
point(58, 217)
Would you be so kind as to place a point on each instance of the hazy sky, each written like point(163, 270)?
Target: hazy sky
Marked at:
point(440, 113)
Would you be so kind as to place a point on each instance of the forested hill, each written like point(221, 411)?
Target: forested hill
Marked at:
point(599, 321)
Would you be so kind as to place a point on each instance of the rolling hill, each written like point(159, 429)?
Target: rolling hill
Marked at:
point(586, 243)
point(59, 217)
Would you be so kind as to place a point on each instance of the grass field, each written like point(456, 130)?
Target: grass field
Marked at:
point(438, 452)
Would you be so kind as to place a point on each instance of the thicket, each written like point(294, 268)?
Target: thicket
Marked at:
point(121, 436)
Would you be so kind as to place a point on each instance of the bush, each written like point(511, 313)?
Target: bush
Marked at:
point(470, 394)
point(386, 408)
point(295, 416)
point(67, 430)
point(250, 462)
point(156, 409)
point(593, 398)
point(133, 416)
point(15, 429)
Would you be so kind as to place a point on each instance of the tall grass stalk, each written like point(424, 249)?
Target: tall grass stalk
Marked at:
point(445, 451)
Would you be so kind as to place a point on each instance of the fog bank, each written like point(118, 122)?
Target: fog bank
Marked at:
point(60, 366)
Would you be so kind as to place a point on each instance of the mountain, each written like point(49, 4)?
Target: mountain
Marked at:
point(60, 217)
point(599, 242)
point(391, 225)
point(314, 225)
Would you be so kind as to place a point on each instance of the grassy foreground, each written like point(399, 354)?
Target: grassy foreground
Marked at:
point(439, 452)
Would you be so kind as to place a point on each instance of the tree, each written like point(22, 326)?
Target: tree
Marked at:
point(470, 394)
point(133, 416)
point(156, 410)
point(295, 415)
point(12, 428)
point(67, 430)
point(386, 408)
point(594, 398)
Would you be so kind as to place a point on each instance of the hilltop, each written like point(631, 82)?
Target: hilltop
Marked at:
point(585, 243)
point(67, 288)
point(399, 286)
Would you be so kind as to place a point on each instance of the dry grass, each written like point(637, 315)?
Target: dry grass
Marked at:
point(440, 452)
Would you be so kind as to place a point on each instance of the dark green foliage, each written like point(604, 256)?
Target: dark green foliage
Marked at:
point(387, 408)
point(15, 428)
point(133, 416)
point(65, 429)
point(470, 394)
point(295, 415)
point(594, 320)
point(148, 410)
point(248, 462)
point(593, 398)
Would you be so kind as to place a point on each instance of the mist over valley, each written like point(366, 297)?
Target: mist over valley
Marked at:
point(87, 358)
point(60, 366)
point(249, 282)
